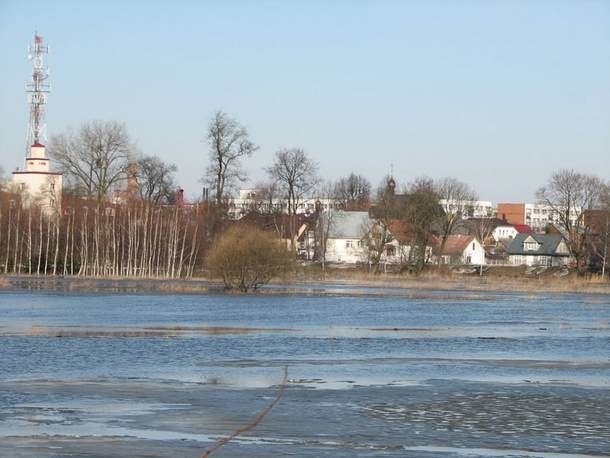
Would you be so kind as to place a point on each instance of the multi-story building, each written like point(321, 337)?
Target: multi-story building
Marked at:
point(469, 208)
point(249, 200)
point(537, 216)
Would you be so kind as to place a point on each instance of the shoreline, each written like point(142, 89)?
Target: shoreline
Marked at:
point(308, 284)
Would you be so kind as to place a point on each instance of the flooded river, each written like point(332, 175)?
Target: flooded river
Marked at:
point(371, 372)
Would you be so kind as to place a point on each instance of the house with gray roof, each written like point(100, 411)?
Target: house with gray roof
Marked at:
point(548, 250)
point(344, 235)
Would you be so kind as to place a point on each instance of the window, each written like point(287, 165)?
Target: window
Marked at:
point(530, 246)
point(348, 244)
point(390, 250)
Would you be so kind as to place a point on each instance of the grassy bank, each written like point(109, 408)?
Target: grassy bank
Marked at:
point(494, 279)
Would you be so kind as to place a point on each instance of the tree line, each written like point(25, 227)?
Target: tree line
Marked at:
point(122, 213)
point(88, 238)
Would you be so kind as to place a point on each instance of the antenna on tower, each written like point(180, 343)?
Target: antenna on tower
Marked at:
point(38, 90)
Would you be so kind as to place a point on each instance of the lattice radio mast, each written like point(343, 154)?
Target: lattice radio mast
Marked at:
point(38, 90)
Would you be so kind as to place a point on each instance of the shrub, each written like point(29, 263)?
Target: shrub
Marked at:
point(246, 257)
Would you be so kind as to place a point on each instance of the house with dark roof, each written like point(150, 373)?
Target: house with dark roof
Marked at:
point(548, 250)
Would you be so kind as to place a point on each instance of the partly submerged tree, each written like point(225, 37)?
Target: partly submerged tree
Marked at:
point(95, 158)
point(245, 257)
point(229, 142)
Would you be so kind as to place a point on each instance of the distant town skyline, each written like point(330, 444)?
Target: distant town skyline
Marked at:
point(496, 94)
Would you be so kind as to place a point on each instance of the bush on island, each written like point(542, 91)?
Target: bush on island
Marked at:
point(245, 257)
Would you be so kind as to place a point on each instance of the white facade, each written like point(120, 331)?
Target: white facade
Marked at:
point(470, 251)
point(474, 253)
point(469, 208)
point(538, 216)
point(248, 200)
point(539, 250)
point(348, 251)
point(346, 230)
point(504, 232)
point(37, 182)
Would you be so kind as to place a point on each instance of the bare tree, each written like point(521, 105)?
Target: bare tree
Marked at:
point(569, 194)
point(229, 142)
point(376, 234)
point(598, 228)
point(96, 158)
point(353, 192)
point(455, 198)
point(266, 198)
point(326, 219)
point(422, 211)
point(296, 175)
point(156, 180)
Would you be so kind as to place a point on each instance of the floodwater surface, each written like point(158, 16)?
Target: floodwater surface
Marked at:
point(385, 373)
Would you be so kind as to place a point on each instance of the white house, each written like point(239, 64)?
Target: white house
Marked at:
point(548, 250)
point(345, 231)
point(398, 249)
point(504, 231)
point(461, 249)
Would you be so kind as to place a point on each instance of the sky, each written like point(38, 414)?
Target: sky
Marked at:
point(499, 94)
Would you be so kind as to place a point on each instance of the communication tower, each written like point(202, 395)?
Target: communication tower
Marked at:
point(37, 180)
point(38, 89)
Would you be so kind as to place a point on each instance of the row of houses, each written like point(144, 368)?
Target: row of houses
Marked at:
point(345, 238)
point(346, 243)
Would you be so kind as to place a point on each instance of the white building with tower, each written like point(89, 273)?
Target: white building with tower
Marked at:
point(37, 182)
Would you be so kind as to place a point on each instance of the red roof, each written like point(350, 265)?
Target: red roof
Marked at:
point(523, 229)
point(456, 244)
point(37, 145)
point(401, 230)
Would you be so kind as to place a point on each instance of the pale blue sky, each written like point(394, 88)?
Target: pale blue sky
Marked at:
point(496, 93)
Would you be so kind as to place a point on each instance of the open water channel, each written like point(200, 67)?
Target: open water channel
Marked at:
point(372, 372)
